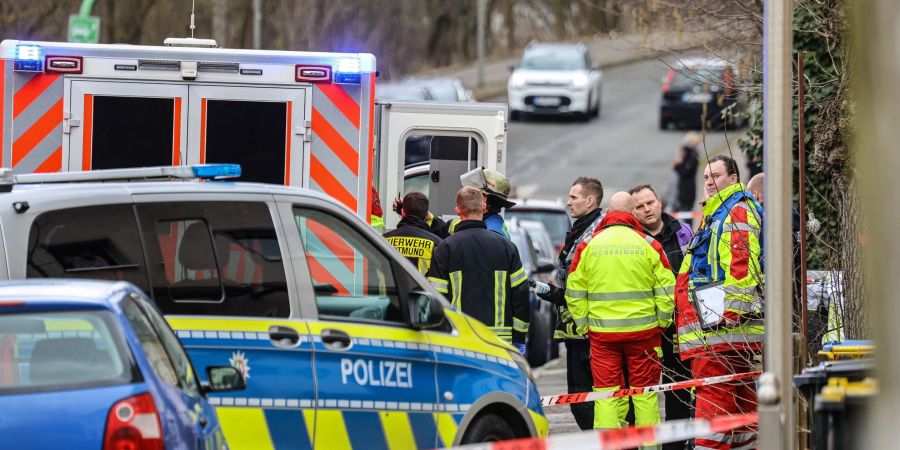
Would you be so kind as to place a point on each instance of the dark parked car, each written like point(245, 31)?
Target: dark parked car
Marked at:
point(543, 313)
point(692, 84)
point(553, 215)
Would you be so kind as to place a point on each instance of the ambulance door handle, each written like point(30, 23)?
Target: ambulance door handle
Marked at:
point(336, 339)
point(283, 337)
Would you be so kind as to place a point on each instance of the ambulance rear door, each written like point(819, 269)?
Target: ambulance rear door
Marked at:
point(426, 146)
point(118, 124)
point(260, 128)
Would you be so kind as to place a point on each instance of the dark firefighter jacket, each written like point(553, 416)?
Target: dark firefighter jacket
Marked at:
point(481, 274)
point(413, 240)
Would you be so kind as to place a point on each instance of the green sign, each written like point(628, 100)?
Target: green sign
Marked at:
point(84, 29)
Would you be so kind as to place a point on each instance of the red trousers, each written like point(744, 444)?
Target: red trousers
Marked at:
point(725, 398)
point(641, 360)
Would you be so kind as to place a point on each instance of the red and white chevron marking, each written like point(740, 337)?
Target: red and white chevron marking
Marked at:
point(676, 430)
point(581, 397)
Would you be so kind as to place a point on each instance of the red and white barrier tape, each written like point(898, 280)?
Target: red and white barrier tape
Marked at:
point(676, 430)
point(581, 397)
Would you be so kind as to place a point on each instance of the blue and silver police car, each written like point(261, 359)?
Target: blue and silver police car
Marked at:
point(342, 343)
point(90, 365)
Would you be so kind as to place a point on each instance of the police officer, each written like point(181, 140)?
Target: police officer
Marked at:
point(411, 237)
point(585, 196)
point(495, 186)
point(481, 274)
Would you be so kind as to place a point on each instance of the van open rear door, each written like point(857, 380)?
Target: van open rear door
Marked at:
point(426, 146)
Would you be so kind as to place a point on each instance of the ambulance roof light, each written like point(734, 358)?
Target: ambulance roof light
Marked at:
point(200, 171)
point(28, 52)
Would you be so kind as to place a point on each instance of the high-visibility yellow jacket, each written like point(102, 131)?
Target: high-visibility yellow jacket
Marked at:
point(725, 252)
point(620, 286)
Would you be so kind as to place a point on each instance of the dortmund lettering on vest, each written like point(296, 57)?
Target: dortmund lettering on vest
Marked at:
point(412, 247)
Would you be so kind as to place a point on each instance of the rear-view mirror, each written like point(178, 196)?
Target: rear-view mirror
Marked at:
point(224, 379)
point(425, 311)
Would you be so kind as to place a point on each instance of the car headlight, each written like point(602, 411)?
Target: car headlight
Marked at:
point(580, 80)
point(522, 363)
point(516, 81)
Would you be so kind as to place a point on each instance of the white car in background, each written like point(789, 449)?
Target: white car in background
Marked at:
point(555, 78)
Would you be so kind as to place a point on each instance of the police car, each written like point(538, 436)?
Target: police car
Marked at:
point(343, 344)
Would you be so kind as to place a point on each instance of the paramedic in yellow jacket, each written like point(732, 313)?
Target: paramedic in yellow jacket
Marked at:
point(723, 263)
point(619, 292)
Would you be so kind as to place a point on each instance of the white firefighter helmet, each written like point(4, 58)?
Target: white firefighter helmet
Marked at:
point(490, 182)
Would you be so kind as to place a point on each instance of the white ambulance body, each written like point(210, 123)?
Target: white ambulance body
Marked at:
point(303, 119)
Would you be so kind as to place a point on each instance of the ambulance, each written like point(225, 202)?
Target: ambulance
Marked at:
point(306, 119)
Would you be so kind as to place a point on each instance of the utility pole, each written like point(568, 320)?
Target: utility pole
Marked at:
point(877, 105)
point(482, 12)
point(219, 11)
point(776, 400)
point(257, 24)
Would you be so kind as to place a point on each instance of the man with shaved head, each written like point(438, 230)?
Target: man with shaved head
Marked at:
point(620, 294)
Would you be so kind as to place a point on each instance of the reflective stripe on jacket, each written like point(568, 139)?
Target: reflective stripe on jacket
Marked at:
point(620, 285)
point(726, 250)
point(481, 274)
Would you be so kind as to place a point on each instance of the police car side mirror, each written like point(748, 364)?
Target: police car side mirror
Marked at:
point(425, 311)
point(223, 379)
point(544, 265)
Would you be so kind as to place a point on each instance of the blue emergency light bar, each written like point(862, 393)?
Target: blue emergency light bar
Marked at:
point(29, 58)
point(348, 71)
point(216, 171)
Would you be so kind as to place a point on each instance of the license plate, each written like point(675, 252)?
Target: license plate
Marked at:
point(696, 97)
point(547, 101)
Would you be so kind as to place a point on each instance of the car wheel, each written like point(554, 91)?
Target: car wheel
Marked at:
point(597, 108)
point(515, 115)
point(540, 338)
point(663, 123)
point(488, 428)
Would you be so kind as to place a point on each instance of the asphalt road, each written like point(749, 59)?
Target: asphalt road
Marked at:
point(623, 148)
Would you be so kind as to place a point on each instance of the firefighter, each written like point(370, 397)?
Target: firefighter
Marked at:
point(585, 196)
point(620, 293)
point(411, 237)
point(481, 274)
point(495, 186)
point(723, 266)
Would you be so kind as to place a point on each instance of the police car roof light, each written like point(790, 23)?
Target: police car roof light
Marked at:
point(216, 171)
point(202, 171)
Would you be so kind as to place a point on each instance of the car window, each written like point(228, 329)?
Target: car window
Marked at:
point(351, 277)
point(214, 258)
point(98, 242)
point(159, 360)
point(50, 350)
point(688, 78)
point(557, 223)
point(184, 372)
point(552, 59)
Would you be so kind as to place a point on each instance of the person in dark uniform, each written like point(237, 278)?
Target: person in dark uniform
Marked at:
point(411, 237)
point(480, 272)
point(675, 238)
point(585, 196)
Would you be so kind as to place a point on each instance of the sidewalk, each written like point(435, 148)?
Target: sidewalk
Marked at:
point(607, 51)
